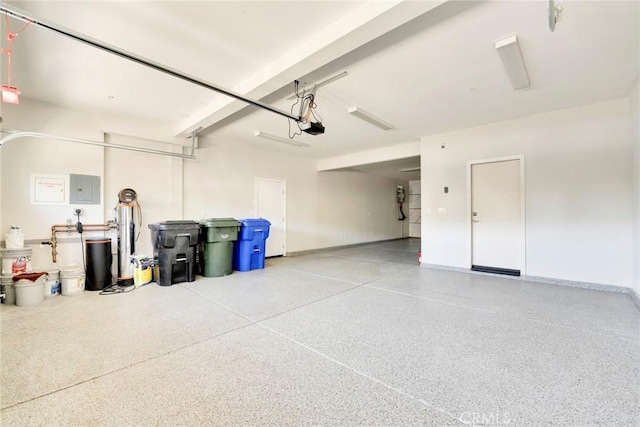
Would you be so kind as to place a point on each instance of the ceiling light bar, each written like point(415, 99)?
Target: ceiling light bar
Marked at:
point(417, 168)
point(369, 118)
point(511, 56)
point(275, 138)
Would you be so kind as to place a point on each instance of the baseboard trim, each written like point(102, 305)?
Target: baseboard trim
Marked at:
point(547, 280)
point(352, 245)
point(577, 284)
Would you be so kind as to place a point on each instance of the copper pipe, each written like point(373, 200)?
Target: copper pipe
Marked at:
point(64, 228)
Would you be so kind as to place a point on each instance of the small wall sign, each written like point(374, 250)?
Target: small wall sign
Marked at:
point(49, 189)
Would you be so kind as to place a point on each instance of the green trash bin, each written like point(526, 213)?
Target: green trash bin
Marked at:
point(216, 246)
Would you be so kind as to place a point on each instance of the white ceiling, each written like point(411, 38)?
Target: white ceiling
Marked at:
point(426, 68)
point(402, 169)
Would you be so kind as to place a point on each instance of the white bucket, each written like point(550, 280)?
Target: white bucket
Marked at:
point(14, 241)
point(72, 281)
point(29, 292)
point(7, 289)
point(16, 261)
point(52, 284)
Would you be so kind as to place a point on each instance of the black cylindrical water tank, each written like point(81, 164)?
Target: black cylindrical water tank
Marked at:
point(99, 260)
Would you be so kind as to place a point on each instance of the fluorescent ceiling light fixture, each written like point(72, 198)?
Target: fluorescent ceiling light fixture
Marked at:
point(511, 55)
point(369, 118)
point(10, 94)
point(417, 168)
point(275, 138)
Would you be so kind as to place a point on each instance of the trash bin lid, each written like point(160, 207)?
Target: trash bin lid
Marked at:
point(254, 222)
point(219, 222)
point(174, 225)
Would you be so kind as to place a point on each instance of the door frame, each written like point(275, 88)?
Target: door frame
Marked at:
point(523, 246)
point(284, 207)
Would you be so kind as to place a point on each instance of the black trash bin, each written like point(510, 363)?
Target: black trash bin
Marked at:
point(174, 251)
point(99, 260)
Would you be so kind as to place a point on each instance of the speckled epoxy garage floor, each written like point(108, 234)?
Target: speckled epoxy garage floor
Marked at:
point(354, 336)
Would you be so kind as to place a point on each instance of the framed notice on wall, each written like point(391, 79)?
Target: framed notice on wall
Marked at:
point(49, 189)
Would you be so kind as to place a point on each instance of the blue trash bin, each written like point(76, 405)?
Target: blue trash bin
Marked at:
point(249, 249)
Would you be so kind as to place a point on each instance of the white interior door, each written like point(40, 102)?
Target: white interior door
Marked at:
point(496, 216)
point(271, 205)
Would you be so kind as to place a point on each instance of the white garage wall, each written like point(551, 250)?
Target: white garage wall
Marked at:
point(148, 174)
point(22, 157)
point(578, 191)
point(156, 179)
point(635, 140)
point(221, 184)
point(323, 209)
point(355, 207)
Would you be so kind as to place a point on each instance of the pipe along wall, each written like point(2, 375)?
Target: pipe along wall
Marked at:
point(64, 228)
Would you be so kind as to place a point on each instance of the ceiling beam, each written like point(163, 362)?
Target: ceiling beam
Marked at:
point(376, 155)
point(355, 29)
